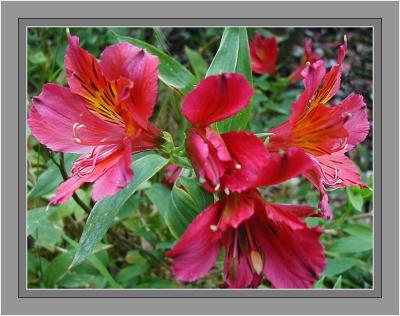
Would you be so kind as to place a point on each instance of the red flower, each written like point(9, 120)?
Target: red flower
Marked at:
point(264, 54)
point(325, 132)
point(258, 237)
point(172, 173)
point(308, 57)
point(104, 115)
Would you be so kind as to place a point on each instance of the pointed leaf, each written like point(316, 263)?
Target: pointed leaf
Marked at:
point(103, 213)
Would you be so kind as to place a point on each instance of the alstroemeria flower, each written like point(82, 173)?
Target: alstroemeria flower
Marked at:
point(104, 115)
point(258, 237)
point(309, 57)
point(172, 173)
point(323, 131)
point(263, 54)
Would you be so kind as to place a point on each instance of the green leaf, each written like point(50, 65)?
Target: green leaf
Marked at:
point(356, 199)
point(158, 195)
point(320, 283)
point(102, 215)
point(351, 244)
point(128, 273)
point(233, 56)
point(75, 281)
point(57, 268)
point(171, 72)
point(187, 200)
point(50, 179)
point(338, 283)
point(360, 231)
point(197, 62)
point(95, 262)
point(338, 266)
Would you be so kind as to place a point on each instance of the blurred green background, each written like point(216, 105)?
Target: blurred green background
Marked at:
point(132, 253)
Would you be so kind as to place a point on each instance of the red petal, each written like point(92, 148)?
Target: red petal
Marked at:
point(126, 60)
point(198, 249)
point(236, 209)
point(331, 82)
point(284, 165)
point(293, 258)
point(264, 54)
point(216, 98)
point(290, 215)
point(86, 79)
point(249, 157)
point(73, 128)
point(208, 152)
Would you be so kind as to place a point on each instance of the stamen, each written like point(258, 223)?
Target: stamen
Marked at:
point(227, 192)
point(325, 177)
point(281, 152)
point(256, 261)
point(238, 166)
point(217, 187)
point(214, 228)
point(202, 180)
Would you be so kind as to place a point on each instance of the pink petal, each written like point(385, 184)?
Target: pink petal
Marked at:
point(290, 215)
point(293, 258)
point(339, 168)
point(126, 60)
point(236, 209)
point(207, 152)
point(216, 98)
point(284, 165)
point(116, 177)
point(67, 188)
point(357, 125)
point(237, 271)
point(249, 158)
point(198, 249)
point(61, 121)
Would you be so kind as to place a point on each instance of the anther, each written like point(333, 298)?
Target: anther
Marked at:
point(202, 180)
point(256, 261)
point(281, 152)
point(308, 63)
point(217, 187)
point(227, 192)
point(349, 115)
point(345, 38)
point(238, 166)
point(214, 228)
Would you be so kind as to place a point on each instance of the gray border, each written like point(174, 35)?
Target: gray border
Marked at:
point(388, 11)
point(23, 292)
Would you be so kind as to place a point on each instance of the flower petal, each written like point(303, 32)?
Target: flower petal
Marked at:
point(283, 166)
point(85, 78)
point(73, 128)
point(293, 258)
point(264, 54)
point(116, 177)
point(249, 156)
point(354, 110)
point(198, 249)
point(339, 168)
point(216, 98)
point(208, 152)
point(141, 67)
point(290, 215)
point(96, 170)
point(236, 208)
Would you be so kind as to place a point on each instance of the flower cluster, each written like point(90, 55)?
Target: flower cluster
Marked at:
point(104, 114)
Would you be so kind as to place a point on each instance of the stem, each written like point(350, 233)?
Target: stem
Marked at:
point(87, 209)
